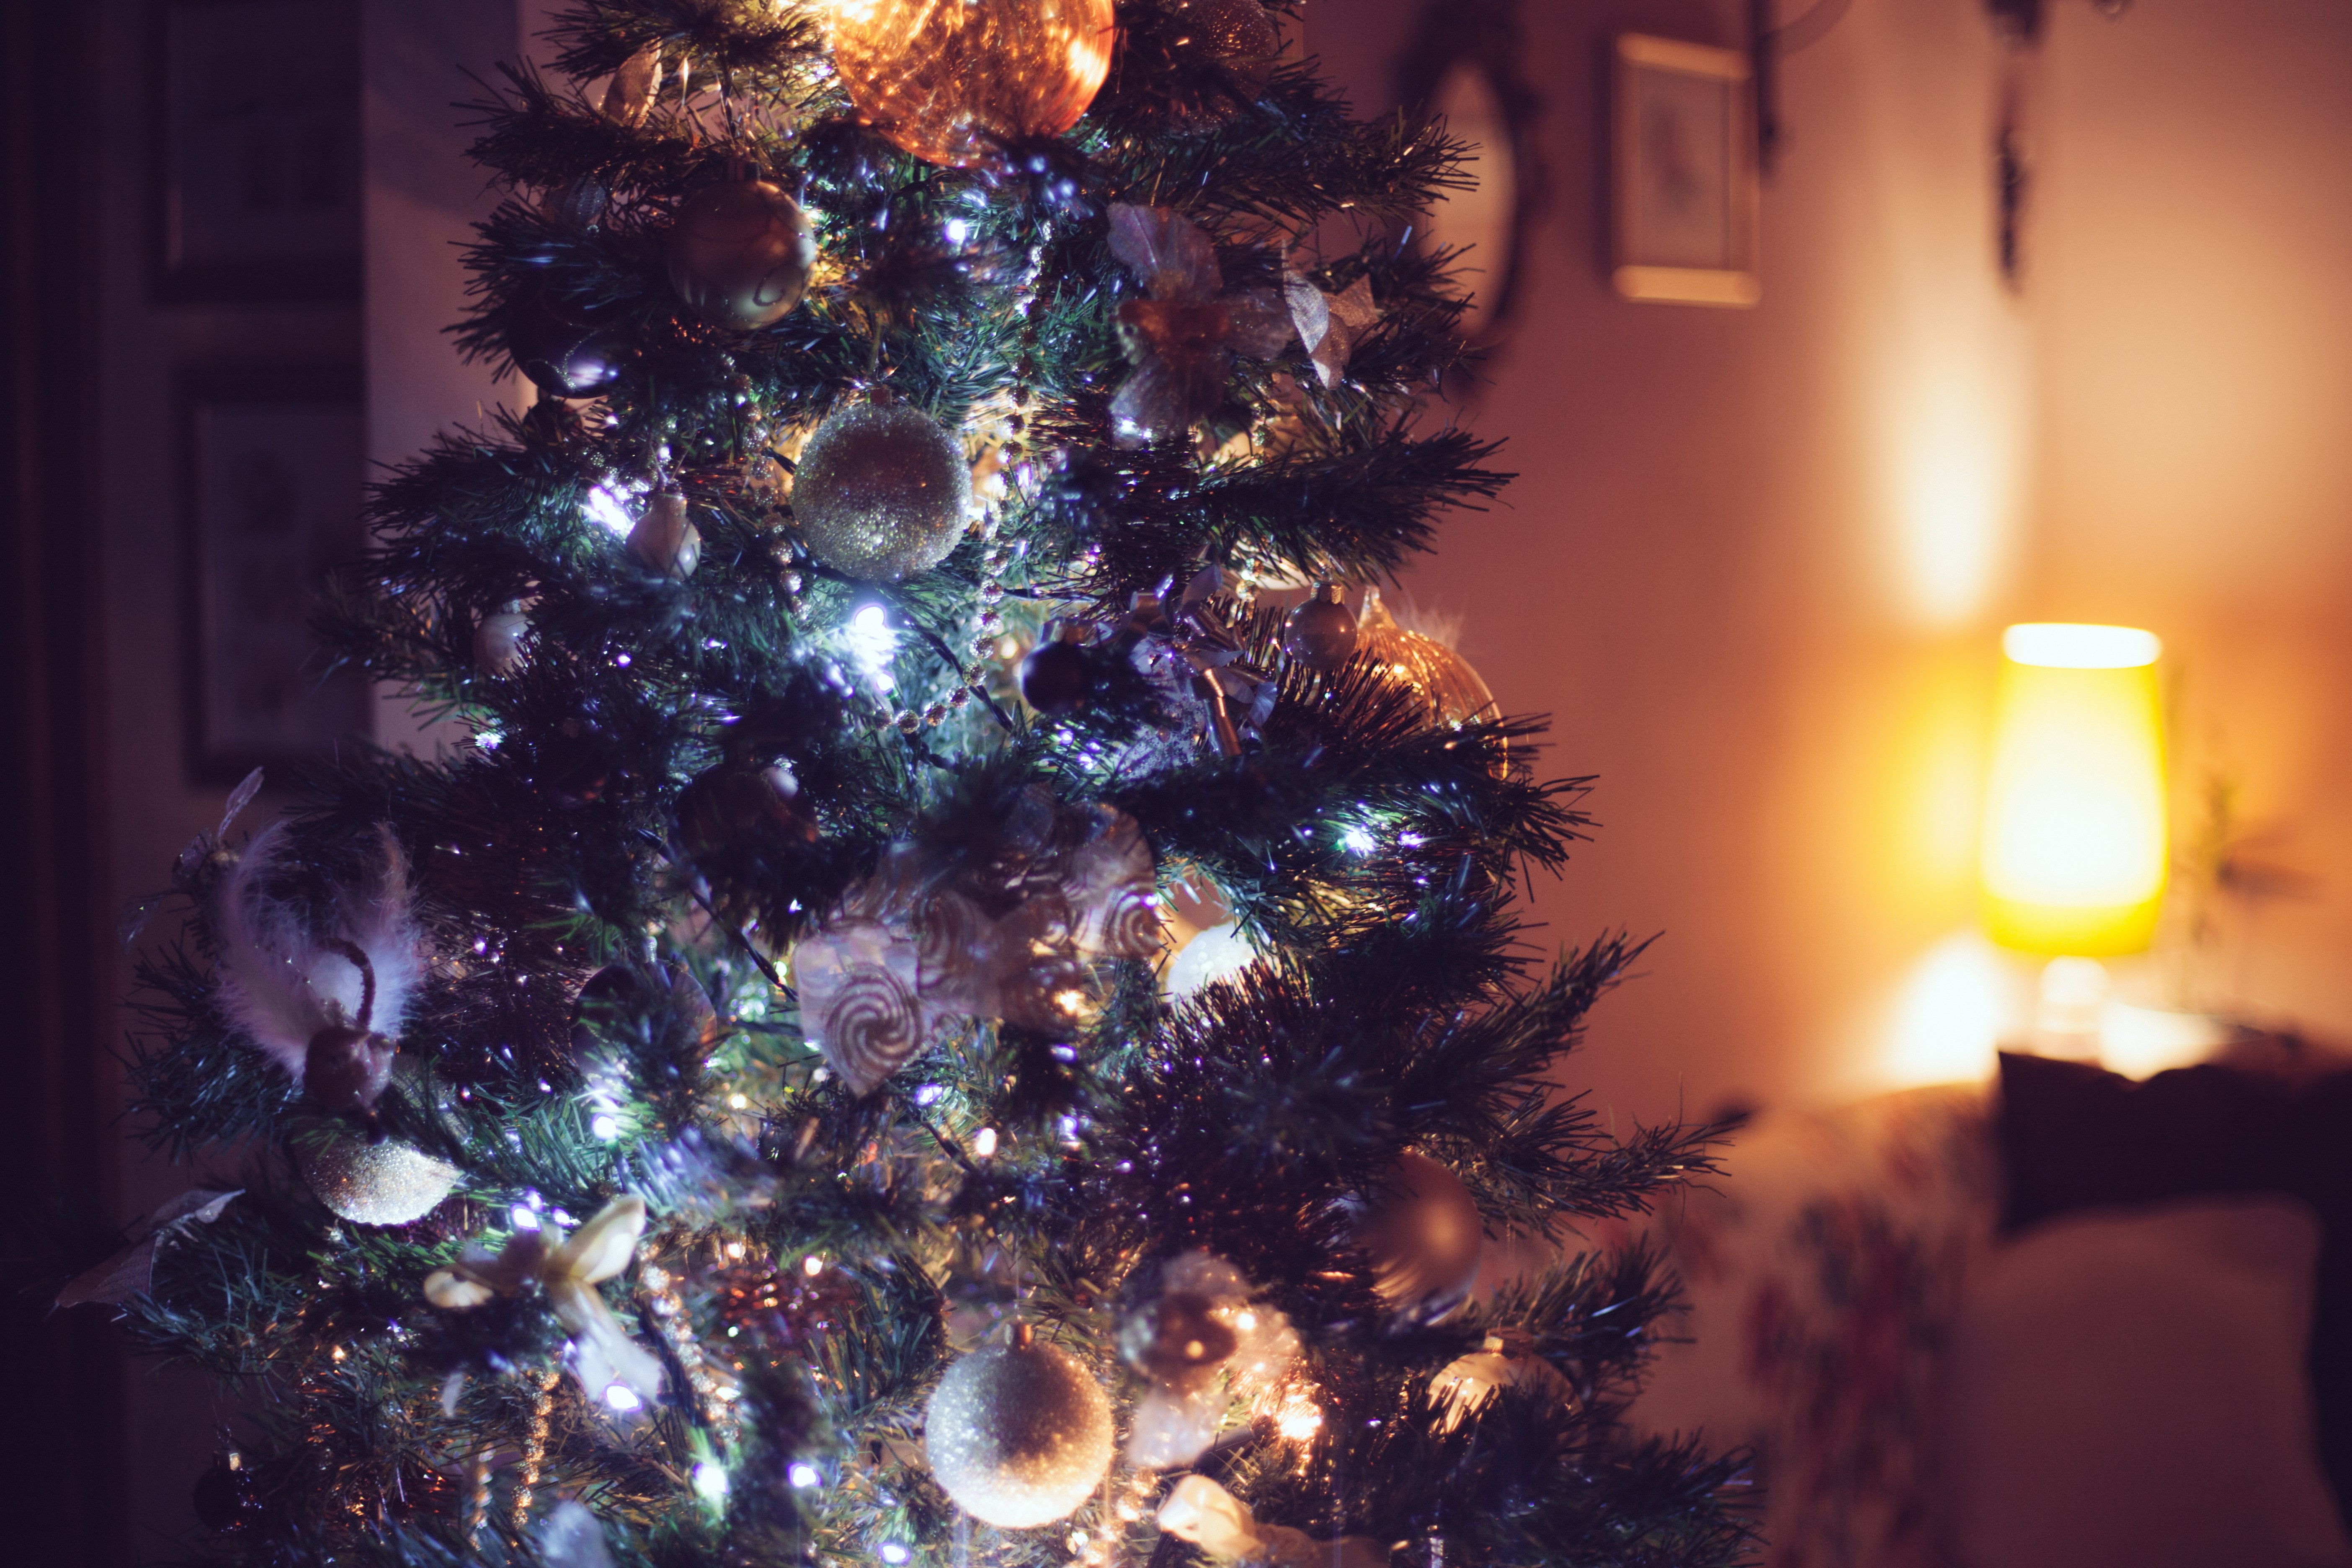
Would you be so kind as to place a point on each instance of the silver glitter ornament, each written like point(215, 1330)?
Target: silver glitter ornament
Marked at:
point(386, 1182)
point(1019, 1435)
point(881, 492)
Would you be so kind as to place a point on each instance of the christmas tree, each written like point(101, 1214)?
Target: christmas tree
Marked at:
point(738, 1104)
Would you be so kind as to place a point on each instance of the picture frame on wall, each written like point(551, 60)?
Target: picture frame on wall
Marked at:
point(254, 162)
point(1685, 182)
point(272, 461)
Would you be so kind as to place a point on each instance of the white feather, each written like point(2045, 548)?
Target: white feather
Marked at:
point(379, 914)
point(265, 990)
point(280, 985)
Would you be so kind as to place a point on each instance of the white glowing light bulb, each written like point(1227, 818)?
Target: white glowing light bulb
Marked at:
point(602, 506)
point(872, 642)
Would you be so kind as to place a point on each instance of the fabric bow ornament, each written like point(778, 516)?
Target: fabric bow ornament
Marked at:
point(568, 1271)
point(1182, 337)
point(1200, 1510)
point(1330, 325)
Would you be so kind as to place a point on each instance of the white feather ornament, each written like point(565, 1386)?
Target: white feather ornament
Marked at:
point(325, 1006)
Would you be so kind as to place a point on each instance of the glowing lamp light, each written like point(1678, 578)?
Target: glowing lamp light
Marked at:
point(2074, 847)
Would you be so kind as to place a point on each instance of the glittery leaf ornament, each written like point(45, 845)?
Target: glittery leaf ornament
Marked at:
point(629, 97)
point(569, 1270)
point(1330, 324)
point(908, 952)
point(1182, 337)
point(131, 1271)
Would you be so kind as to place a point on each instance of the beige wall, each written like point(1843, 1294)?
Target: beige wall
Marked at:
point(1755, 561)
point(2195, 298)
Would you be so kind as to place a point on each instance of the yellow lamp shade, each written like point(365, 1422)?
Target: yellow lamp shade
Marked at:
point(2074, 846)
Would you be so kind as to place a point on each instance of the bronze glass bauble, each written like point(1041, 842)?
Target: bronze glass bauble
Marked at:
point(1421, 1233)
point(739, 254)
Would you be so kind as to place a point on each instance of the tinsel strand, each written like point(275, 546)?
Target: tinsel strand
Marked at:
point(534, 1446)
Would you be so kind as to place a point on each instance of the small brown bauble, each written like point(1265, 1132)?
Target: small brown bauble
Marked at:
point(565, 351)
point(951, 83)
point(621, 998)
point(1176, 1341)
point(739, 254)
point(498, 639)
point(1321, 633)
point(734, 803)
point(1422, 1234)
point(1239, 35)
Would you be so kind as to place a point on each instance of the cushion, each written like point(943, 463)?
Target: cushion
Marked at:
point(2074, 1137)
point(2127, 1387)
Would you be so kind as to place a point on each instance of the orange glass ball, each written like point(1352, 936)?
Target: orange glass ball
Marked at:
point(948, 79)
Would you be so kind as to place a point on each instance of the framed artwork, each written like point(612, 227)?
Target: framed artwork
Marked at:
point(255, 159)
point(272, 462)
point(1466, 68)
point(1684, 181)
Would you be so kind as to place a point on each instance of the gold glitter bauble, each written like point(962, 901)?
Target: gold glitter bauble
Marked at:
point(1018, 1435)
point(881, 492)
point(382, 1183)
point(949, 80)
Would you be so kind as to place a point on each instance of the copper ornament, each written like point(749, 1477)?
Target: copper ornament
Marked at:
point(735, 803)
point(1177, 1340)
point(1441, 678)
point(1181, 338)
point(951, 80)
point(739, 254)
point(1421, 1233)
point(1239, 35)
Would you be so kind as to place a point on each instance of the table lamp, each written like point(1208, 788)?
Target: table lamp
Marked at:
point(2074, 851)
